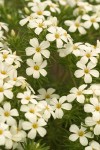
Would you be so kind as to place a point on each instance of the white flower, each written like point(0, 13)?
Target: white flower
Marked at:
point(86, 71)
point(93, 108)
point(31, 110)
point(18, 135)
point(39, 25)
point(34, 126)
point(80, 134)
point(47, 110)
point(91, 20)
point(59, 35)
point(75, 25)
point(5, 90)
point(38, 50)
point(62, 2)
point(93, 145)
point(59, 105)
point(14, 79)
point(70, 48)
point(7, 114)
point(83, 7)
point(88, 53)
point(40, 11)
point(47, 95)
point(17, 132)
point(36, 68)
point(53, 7)
point(28, 19)
point(95, 88)
point(78, 94)
point(6, 56)
point(4, 133)
point(27, 97)
point(5, 70)
point(89, 121)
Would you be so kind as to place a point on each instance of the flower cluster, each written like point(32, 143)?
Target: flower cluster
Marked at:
point(25, 112)
point(42, 21)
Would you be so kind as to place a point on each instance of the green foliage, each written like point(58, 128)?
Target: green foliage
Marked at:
point(31, 145)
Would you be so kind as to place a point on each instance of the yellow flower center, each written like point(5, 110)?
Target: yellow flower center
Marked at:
point(35, 125)
point(93, 20)
point(40, 25)
point(58, 105)
point(1, 131)
point(14, 79)
point(27, 98)
point(65, 34)
point(88, 55)
point(5, 56)
point(32, 111)
point(79, 92)
point(97, 108)
point(36, 67)
point(57, 36)
point(47, 108)
point(1, 89)
point(39, 12)
point(77, 24)
point(3, 72)
point(86, 71)
point(98, 122)
point(47, 96)
point(38, 49)
point(75, 47)
point(80, 133)
point(6, 113)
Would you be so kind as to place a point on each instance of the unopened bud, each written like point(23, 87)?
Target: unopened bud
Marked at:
point(27, 11)
point(9, 16)
point(13, 33)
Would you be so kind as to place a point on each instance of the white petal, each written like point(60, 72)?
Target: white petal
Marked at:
point(94, 73)
point(59, 113)
point(41, 131)
point(97, 129)
point(2, 140)
point(71, 97)
point(44, 45)
point(29, 71)
point(59, 43)
point(72, 28)
point(50, 37)
point(80, 98)
point(96, 25)
point(79, 73)
point(34, 42)
point(74, 128)
point(46, 53)
point(32, 134)
point(8, 94)
point(87, 78)
point(29, 51)
point(82, 30)
point(83, 141)
point(67, 106)
point(73, 137)
point(7, 106)
point(26, 125)
point(87, 24)
point(88, 108)
point(14, 112)
point(36, 74)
